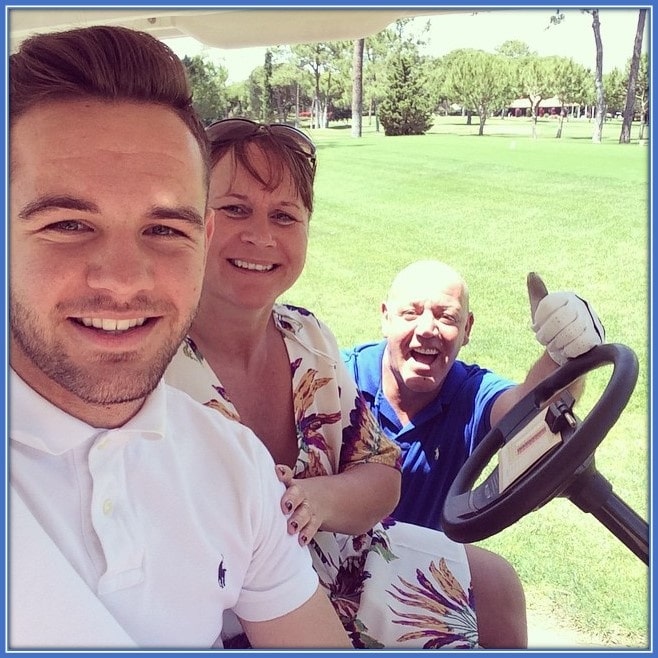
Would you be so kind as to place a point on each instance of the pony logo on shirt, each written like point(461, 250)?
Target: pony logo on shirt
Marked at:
point(221, 574)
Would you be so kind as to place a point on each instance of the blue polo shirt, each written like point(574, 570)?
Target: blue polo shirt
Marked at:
point(436, 443)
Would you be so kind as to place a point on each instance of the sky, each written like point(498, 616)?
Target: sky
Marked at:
point(485, 30)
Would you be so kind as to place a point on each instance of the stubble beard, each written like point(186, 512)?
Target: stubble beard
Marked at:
point(108, 380)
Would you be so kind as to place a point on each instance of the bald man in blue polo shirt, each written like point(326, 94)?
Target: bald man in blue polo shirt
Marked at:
point(436, 407)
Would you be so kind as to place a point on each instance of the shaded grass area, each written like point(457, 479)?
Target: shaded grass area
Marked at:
point(497, 207)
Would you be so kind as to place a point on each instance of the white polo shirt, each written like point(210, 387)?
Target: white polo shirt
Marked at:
point(171, 519)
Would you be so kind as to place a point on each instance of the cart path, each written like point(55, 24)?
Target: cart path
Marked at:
point(546, 632)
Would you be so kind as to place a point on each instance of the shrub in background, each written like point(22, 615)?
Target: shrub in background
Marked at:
point(407, 108)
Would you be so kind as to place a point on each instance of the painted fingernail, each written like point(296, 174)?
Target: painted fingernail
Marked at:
point(294, 524)
point(304, 539)
point(288, 505)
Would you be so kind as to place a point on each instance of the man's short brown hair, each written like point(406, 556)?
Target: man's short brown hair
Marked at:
point(106, 63)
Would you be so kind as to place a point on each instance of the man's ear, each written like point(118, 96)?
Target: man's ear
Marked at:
point(467, 329)
point(384, 319)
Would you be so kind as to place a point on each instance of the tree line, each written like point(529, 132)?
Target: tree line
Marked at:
point(402, 90)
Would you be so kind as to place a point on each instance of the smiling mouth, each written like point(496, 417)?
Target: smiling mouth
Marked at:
point(425, 355)
point(251, 267)
point(111, 324)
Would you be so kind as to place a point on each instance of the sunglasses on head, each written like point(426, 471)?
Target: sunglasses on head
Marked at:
point(228, 130)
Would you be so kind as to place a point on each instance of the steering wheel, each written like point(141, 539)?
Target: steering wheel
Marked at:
point(565, 467)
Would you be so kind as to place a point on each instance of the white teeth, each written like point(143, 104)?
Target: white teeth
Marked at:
point(107, 324)
point(252, 266)
point(426, 350)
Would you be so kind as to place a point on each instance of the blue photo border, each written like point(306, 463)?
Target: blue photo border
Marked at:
point(331, 4)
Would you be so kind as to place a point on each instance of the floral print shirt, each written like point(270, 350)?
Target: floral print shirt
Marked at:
point(396, 586)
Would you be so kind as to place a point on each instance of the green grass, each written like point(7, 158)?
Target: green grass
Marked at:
point(497, 207)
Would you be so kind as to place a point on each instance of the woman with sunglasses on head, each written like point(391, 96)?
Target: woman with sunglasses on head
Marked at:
point(277, 369)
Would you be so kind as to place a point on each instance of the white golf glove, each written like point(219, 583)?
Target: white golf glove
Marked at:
point(566, 325)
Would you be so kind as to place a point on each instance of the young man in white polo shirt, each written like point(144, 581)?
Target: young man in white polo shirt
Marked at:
point(128, 528)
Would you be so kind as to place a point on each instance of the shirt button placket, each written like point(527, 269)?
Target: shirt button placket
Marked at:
point(111, 513)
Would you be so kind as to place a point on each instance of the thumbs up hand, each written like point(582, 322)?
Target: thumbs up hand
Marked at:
point(563, 323)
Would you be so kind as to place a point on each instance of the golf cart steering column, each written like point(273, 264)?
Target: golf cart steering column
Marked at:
point(593, 493)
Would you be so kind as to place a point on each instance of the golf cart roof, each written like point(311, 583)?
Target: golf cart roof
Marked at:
point(221, 28)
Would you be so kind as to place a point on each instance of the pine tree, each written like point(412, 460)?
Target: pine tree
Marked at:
point(266, 103)
point(208, 82)
point(407, 106)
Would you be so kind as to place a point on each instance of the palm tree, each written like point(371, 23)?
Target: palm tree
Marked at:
point(556, 19)
point(357, 86)
point(629, 109)
point(598, 77)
